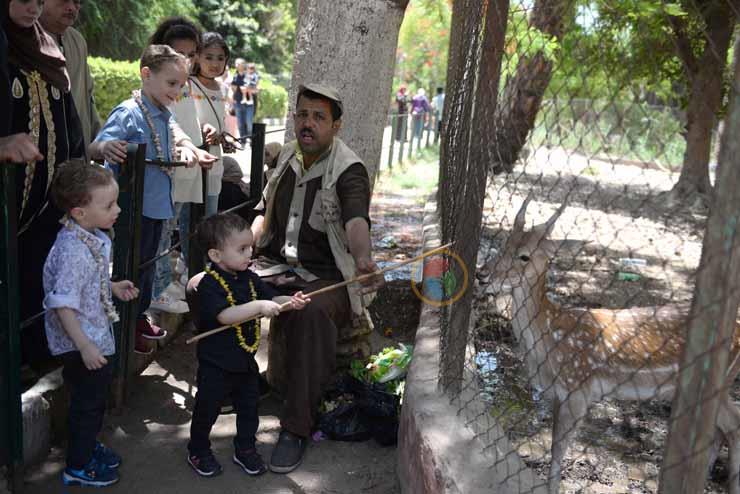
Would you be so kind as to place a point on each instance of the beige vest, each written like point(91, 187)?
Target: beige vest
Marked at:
point(326, 212)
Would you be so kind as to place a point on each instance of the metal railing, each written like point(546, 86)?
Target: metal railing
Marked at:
point(410, 134)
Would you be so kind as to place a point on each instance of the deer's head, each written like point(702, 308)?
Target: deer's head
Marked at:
point(526, 255)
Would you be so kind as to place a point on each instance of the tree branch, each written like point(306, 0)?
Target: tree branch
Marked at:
point(683, 46)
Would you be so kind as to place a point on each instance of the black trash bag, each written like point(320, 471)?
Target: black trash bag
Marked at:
point(344, 423)
point(375, 409)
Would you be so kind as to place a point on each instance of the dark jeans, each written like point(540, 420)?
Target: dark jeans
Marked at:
point(88, 390)
point(244, 119)
point(151, 232)
point(214, 385)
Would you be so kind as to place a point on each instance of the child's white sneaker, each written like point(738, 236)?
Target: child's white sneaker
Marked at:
point(166, 303)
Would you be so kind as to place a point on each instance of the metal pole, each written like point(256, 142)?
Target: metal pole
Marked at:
point(394, 129)
point(258, 161)
point(11, 446)
point(126, 259)
point(412, 121)
point(196, 256)
point(402, 121)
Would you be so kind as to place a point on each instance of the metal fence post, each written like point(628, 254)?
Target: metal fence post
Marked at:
point(394, 129)
point(126, 261)
point(11, 414)
point(412, 121)
point(196, 256)
point(429, 128)
point(402, 121)
point(258, 161)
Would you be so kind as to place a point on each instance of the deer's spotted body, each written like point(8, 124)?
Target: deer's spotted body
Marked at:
point(579, 355)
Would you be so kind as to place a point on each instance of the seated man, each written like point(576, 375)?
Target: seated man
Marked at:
point(313, 230)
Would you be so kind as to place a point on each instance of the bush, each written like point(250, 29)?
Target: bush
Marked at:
point(273, 99)
point(114, 81)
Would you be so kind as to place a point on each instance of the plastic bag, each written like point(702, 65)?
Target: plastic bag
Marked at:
point(344, 423)
point(371, 412)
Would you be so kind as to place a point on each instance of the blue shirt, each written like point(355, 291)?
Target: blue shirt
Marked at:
point(127, 123)
point(72, 280)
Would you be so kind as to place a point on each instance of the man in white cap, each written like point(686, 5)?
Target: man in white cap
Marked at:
point(313, 230)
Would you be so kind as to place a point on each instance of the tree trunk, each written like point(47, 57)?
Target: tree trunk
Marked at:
point(466, 160)
point(520, 103)
point(351, 46)
point(705, 99)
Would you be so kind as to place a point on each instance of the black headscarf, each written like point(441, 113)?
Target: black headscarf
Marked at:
point(32, 48)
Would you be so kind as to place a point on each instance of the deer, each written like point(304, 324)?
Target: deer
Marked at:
point(579, 356)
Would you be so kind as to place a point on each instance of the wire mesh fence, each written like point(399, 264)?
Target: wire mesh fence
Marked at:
point(595, 349)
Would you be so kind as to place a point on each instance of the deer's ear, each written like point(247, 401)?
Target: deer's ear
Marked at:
point(553, 219)
point(522, 214)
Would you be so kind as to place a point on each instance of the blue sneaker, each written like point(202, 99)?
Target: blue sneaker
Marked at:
point(94, 474)
point(106, 456)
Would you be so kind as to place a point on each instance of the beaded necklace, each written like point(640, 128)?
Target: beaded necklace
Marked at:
point(230, 299)
point(136, 94)
point(102, 268)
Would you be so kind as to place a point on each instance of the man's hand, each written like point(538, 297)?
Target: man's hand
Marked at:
point(365, 265)
point(205, 159)
point(210, 134)
point(124, 290)
point(298, 301)
point(92, 357)
point(18, 148)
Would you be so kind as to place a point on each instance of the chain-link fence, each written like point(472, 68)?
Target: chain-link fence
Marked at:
point(595, 349)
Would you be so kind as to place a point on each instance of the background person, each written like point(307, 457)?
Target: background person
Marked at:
point(58, 17)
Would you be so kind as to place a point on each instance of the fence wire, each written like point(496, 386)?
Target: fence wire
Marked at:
point(578, 182)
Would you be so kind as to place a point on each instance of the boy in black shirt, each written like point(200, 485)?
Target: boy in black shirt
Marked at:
point(229, 293)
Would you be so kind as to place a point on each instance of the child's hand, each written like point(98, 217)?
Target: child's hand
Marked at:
point(210, 134)
point(268, 308)
point(92, 357)
point(298, 301)
point(124, 290)
point(205, 159)
point(114, 151)
point(188, 156)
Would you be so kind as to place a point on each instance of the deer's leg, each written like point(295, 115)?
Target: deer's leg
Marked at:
point(728, 421)
point(567, 416)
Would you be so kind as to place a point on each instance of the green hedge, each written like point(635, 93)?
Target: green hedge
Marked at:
point(114, 81)
point(273, 99)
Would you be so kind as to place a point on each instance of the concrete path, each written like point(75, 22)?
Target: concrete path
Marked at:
point(151, 434)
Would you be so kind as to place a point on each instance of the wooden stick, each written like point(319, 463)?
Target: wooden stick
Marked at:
point(357, 279)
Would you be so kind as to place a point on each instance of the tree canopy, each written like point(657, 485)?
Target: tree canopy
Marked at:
point(261, 32)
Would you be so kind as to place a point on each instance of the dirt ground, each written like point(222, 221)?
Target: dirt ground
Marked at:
point(614, 211)
point(151, 433)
